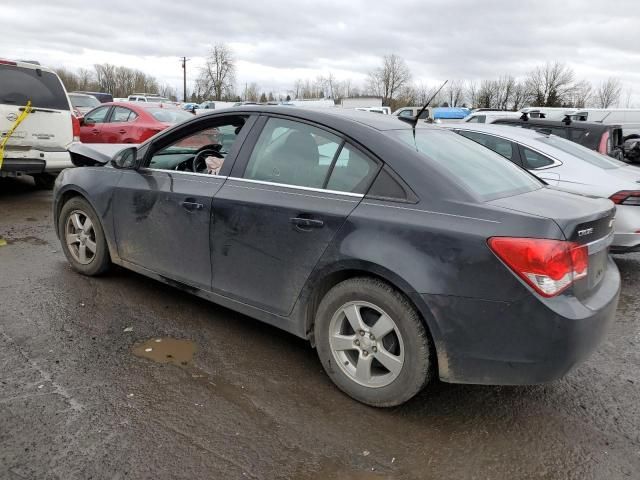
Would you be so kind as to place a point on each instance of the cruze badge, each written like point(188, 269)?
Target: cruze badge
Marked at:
point(585, 232)
point(12, 117)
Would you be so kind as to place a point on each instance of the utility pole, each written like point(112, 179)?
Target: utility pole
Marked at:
point(184, 78)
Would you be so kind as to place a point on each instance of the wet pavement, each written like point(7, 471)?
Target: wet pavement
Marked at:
point(222, 396)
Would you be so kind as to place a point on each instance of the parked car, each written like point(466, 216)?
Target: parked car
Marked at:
point(489, 116)
point(550, 113)
point(101, 96)
point(400, 254)
point(411, 112)
point(147, 97)
point(448, 114)
point(127, 122)
point(83, 103)
point(571, 167)
point(380, 110)
point(38, 146)
point(606, 139)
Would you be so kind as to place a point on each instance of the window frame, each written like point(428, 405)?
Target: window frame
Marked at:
point(107, 116)
point(521, 148)
point(242, 160)
point(172, 135)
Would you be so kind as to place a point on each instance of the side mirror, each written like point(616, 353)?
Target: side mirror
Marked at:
point(87, 122)
point(127, 158)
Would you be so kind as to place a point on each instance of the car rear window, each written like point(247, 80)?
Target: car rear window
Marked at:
point(480, 170)
point(166, 115)
point(590, 156)
point(82, 101)
point(44, 89)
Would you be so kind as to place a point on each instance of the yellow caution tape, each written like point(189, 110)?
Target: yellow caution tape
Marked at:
point(27, 110)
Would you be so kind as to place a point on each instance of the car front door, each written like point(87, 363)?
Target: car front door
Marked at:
point(291, 190)
point(119, 125)
point(91, 127)
point(162, 210)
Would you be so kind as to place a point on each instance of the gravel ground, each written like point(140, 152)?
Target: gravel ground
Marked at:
point(81, 397)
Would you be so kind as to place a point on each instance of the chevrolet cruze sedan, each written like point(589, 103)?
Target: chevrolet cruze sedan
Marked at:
point(400, 254)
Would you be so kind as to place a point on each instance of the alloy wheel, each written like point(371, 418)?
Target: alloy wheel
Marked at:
point(366, 344)
point(80, 237)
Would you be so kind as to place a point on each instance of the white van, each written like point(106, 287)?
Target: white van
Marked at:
point(489, 116)
point(38, 146)
point(609, 116)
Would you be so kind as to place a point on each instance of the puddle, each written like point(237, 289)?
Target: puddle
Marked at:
point(167, 350)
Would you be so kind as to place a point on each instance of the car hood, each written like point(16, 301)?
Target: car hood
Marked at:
point(94, 154)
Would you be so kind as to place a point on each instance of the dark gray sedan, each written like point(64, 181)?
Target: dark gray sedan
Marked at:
point(400, 254)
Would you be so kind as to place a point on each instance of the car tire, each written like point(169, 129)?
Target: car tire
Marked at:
point(396, 364)
point(44, 180)
point(79, 238)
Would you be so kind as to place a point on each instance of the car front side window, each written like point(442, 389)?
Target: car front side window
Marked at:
point(97, 116)
point(292, 153)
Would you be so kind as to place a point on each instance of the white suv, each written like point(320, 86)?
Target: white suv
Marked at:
point(38, 146)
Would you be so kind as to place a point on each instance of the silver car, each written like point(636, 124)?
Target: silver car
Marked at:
point(570, 167)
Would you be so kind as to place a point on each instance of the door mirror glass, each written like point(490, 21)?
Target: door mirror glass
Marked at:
point(126, 158)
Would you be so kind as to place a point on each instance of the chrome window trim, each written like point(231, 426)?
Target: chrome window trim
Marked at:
point(298, 187)
point(208, 175)
point(429, 212)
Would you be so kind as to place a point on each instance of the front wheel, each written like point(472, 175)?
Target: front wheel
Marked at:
point(82, 238)
point(372, 343)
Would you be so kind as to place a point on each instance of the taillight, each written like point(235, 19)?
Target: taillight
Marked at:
point(76, 128)
point(603, 148)
point(549, 266)
point(626, 197)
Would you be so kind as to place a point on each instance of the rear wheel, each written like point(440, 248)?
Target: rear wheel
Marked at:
point(372, 343)
point(82, 237)
point(44, 180)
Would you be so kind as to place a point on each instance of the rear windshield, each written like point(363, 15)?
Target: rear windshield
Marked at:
point(583, 153)
point(167, 115)
point(482, 171)
point(82, 101)
point(19, 85)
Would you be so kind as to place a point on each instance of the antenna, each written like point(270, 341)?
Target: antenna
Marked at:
point(414, 121)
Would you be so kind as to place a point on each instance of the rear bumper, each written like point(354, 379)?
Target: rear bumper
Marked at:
point(528, 341)
point(35, 162)
point(626, 238)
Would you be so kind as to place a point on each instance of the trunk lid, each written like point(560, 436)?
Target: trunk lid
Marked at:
point(583, 219)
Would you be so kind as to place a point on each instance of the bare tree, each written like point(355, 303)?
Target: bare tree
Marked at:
point(582, 94)
point(455, 93)
point(387, 80)
point(472, 93)
point(608, 92)
point(551, 85)
point(217, 76)
point(252, 92)
point(520, 96)
point(487, 94)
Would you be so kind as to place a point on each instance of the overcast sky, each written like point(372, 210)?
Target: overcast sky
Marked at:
point(277, 41)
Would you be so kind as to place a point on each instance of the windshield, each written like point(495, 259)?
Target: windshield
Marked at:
point(82, 101)
point(19, 85)
point(482, 171)
point(583, 153)
point(166, 115)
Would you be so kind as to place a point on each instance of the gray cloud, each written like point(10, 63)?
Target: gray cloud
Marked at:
point(465, 39)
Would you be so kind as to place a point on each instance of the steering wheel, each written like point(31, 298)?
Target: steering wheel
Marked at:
point(213, 150)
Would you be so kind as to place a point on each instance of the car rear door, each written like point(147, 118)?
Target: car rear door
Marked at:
point(119, 126)
point(292, 188)
point(92, 123)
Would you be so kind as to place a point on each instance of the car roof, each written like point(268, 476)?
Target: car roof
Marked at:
point(329, 115)
point(22, 64)
point(544, 122)
point(507, 131)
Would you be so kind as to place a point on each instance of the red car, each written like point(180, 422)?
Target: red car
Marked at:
point(127, 122)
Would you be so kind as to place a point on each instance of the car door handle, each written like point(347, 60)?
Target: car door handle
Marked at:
point(95, 131)
point(190, 204)
point(307, 222)
point(122, 130)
